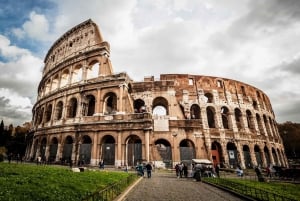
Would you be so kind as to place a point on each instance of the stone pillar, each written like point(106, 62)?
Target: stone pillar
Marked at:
point(263, 157)
point(225, 152)
point(97, 104)
point(59, 152)
point(240, 155)
point(252, 155)
point(94, 150)
point(32, 149)
point(47, 152)
point(147, 144)
point(119, 160)
point(120, 102)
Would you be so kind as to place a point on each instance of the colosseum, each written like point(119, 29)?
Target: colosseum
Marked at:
point(85, 113)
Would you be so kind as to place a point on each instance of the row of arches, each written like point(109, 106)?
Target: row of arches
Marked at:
point(81, 149)
point(217, 117)
point(71, 75)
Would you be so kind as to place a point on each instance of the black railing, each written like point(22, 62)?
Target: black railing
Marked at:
point(112, 191)
point(247, 191)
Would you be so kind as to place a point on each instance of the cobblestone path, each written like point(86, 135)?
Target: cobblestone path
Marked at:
point(166, 187)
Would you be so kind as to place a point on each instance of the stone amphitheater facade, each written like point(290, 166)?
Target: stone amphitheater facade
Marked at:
point(85, 113)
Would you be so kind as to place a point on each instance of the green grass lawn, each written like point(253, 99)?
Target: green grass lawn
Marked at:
point(31, 182)
point(288, 190)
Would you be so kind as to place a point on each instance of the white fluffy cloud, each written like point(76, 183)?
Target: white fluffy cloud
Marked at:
point(36, 27)
point(20, 74)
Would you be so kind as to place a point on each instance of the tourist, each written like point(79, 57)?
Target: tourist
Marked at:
point(101, 164)
point(177, 170)
point(185, 170)
point(149, 169)
point(239, 171)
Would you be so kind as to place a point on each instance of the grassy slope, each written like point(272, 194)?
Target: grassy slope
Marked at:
point(31, 182)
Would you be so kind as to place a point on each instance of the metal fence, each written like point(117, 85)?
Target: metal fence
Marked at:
point(251, 192)
point(112, 191)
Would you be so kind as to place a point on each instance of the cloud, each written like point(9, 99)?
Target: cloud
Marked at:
point(16, 114)
point(20, 74)
point(36, 27)
point(22, 71)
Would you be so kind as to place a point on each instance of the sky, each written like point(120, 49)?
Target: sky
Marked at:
point(255, 42)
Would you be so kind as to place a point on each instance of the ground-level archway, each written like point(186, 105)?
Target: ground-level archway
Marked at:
point(258, 156)
point(53, 149)
point(216, 152)
point(108, 150)
point(187, 150)
point(247, 157)
point(85, 150)
point(133, 153)
point(232, 154)
point(164, 152)
point(67, 149)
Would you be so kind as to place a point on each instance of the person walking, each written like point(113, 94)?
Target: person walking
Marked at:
point(149, 170)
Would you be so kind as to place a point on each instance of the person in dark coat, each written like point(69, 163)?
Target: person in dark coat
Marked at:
point(149, 170)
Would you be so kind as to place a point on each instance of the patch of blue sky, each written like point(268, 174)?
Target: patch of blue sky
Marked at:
point(13, 14)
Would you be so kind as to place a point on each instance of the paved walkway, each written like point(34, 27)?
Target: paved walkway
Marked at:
point(166, 187)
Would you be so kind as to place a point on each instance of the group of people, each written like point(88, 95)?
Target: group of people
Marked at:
point(17, 157)
point(140, 168)
point(181, 170)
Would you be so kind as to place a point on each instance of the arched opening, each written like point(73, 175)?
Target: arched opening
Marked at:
point(210, 112)
point(91, 101)
point(43, 149)
point(208, 97)
point(48, 112)
point(54, 84)
point(216, 152)
point(187, 150)
point(77, 74)
point(225, 114)
point(139, 106)
point(275, 156)
point(249, 119)
point(232, 155)
point(258, 155)
point(64, 78)
point(163, 152)
point(93, 70)
point(67, 151)
point(134, 150)
point(58, 110)
point(85, 150)
point(72, 108)
point(195, 111)
point(247, 157)
point(110, 103)
point(238, 118)
point(40, 115)
point(160, 106)
point(53, 149)
point(267, 155)
point(108, 150)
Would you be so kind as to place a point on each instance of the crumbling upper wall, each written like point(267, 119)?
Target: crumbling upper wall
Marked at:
point(81, 38)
